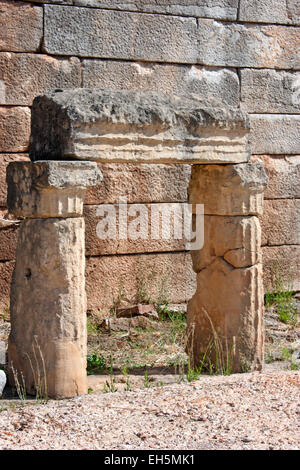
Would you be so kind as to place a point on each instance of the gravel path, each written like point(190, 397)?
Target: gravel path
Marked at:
point(242, 411)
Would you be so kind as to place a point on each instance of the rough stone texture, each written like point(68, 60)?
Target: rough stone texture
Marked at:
point(238, 45)
point(6, 269)
point(140, 183)
point(14, 129)
point(49, 188)
point(58, 2)
point(270, 91)
point(220, 86)
point(8, 238)
point(5, 159)
point(281, 222)
point(283, 174)
point(282, 262)
point(134, 126)
point(270, 11)
point(228, 189)
point(221, 9)
point(90, 32)
point(233, 300)
point(24, 76)
point(48, 306)
point(167, 275)
point(96, 246)
point(275, 134)
point(21, 26)
point(236, 239)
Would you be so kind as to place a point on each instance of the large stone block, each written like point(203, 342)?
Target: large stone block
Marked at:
point(24, 76)
point(232, 321)
point(49, 188)
point(284, 175)
point(14, 129)
point(132, 277)
point(281, 263)
point(5, 159)
point(8, 239)
point(228, 189)
point(223, 9)
point(6, 270)
point(270, 91)
point(275, 134)
point(140, 183)
point(281, 222)
point(270, 11)
point(238, 45)
point(236, 239)
point(135, 127)
point(90, 32)
point(220, 86)
point(21, 26)
point(97, 245)
point(48, 308)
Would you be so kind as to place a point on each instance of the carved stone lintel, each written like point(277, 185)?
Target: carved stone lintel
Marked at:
point(136, 126)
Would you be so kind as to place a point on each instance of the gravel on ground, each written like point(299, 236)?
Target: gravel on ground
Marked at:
point(241, 411)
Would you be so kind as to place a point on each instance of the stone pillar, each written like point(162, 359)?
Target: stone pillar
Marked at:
point(48, 339)
point(225, 316)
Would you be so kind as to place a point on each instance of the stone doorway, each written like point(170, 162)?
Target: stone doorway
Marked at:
point(71, 131)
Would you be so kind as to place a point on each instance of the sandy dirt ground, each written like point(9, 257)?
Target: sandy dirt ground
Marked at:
point(241, 411)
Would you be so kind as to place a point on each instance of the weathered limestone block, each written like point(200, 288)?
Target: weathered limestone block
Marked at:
point(281, 222)
point(90, 32)
point(236, 239)
point(159, 275)
point(6, 270)
point(270, 91)
point(48, 306)
point(219, 86)
point(21, 26)
point(24, 76)
point(227, 311)
point(223, 9)
point(14, 129)
point(245, 45)
point(284, 175)
point(225, 316)
point(49, 188)
point(228, 189)
point(133, 126)
point(47, 343)
point(139, 238)
point(275, 134)
point(8, 237)
point(281, 263)
point(270, 11)
point(140, 183)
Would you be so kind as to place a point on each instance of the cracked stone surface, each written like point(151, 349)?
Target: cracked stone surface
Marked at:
point(136, 126)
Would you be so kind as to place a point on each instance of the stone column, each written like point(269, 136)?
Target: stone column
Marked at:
point(48, 339)
point(225, 316)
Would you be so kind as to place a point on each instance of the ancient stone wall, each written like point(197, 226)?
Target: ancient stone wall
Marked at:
point(238, 52)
